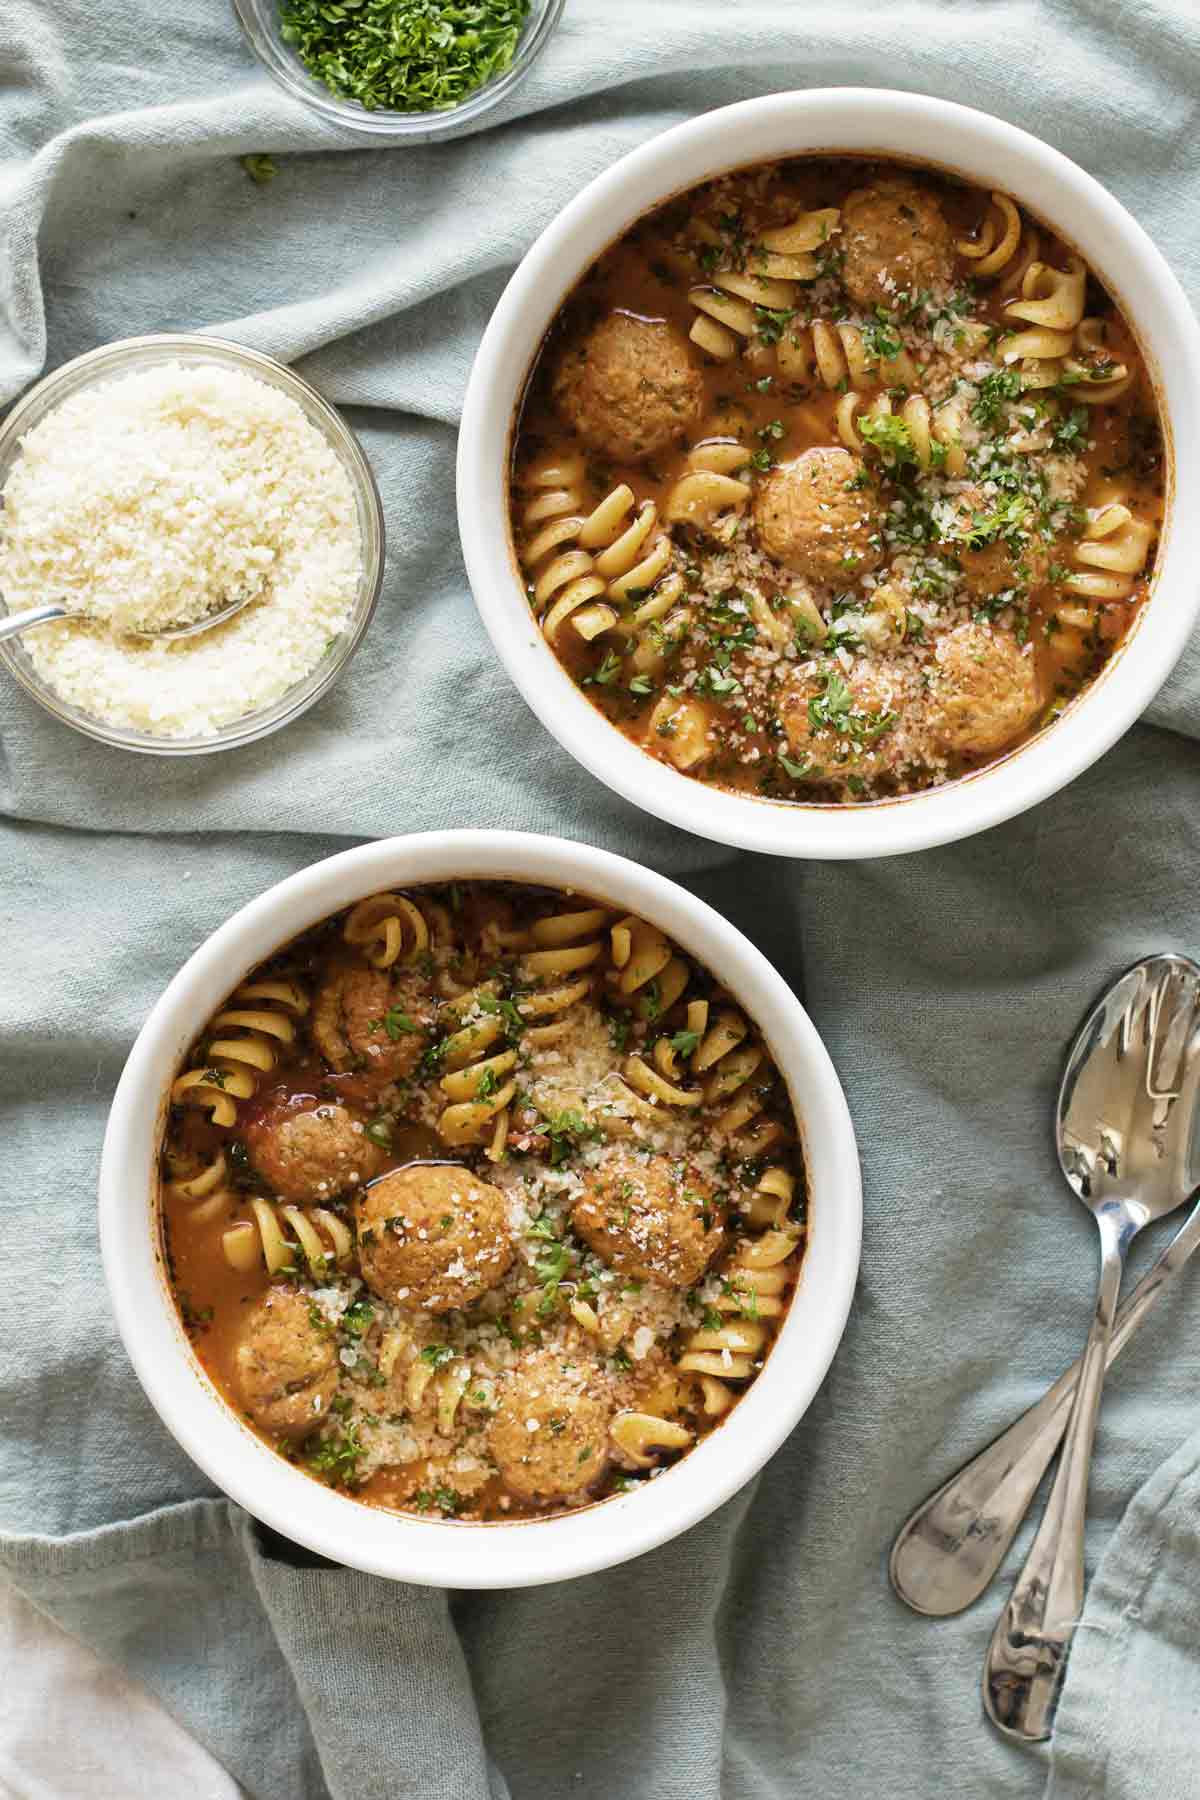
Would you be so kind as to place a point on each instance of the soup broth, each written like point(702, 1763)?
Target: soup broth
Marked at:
point(835, 480)
point(482, 1201)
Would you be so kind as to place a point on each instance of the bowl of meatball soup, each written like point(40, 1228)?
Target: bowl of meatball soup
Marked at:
point(817, 468)
point(479, 1209)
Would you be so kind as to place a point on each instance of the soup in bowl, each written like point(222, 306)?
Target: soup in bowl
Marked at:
point(493, 1181)
point(839, 483)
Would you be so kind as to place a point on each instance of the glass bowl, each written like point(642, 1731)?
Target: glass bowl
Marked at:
point(190, 349)
point(260, 22)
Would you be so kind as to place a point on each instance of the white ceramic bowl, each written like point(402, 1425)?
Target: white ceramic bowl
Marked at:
point(953, 138)
point(443, 1552)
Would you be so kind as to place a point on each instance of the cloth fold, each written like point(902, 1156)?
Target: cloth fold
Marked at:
point(763, 1654)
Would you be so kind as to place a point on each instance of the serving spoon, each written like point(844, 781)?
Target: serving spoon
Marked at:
point(1125, 1119)
point(949, 1549)
point(17, 622)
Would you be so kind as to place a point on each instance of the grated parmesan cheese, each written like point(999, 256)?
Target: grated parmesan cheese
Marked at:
point(155, 498)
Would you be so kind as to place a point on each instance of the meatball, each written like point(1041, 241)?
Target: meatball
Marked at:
point(434, 1235)
point(364, 1019)
point(984, 691)
point(630, 388)
point(816, 515)
point(850, 732)
point(312, 1155)
point(896, 243)
point(285, 1365)
point(549, 1435)
point(655, 1220)
point(1021, 560)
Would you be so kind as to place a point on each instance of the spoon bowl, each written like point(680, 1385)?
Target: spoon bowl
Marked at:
point(15, 623)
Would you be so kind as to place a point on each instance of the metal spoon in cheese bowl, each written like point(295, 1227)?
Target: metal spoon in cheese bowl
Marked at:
point(1125, 1130)
point(45, 615)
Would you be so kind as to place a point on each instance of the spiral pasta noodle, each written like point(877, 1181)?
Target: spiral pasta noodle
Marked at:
point(243, 1046)
point(711, 494)
point(1111, 554)
point(731, 302)
point(1004, 247)
point(318, 1237)
point(580, 561)
point(757, 1279)
point(837, 355)
point(389, 929)
point(207, 1192)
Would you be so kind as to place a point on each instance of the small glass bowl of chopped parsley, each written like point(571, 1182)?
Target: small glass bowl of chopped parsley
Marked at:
point(416, 69)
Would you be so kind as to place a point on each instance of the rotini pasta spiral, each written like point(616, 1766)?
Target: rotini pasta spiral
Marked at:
point(388, 929)
point(837, 355)
point(639, 1436)
point(207, 1192)
point(318, 1237)
point(931, 436)
point(756, 1281)
point(732, 301)
point(263, 1016)
point(711, 494)
point(1004, 247)
point(564, 949)
point(478, 1082)
point(616, 552)
point(1111, 554)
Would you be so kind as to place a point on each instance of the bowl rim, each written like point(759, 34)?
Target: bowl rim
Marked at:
point(284, 67)
point(457, 1553)
point(883, 123)
point(107, 360)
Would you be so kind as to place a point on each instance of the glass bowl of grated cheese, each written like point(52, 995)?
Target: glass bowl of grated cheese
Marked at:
point(150, 473)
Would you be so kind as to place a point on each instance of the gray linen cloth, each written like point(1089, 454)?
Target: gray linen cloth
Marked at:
point(762, 1655)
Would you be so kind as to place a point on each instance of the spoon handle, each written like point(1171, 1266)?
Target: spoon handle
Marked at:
point(1023, 1669)
point(14, 623)
point(950, 1548)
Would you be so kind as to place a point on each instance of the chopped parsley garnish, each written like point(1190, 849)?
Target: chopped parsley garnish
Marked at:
point(379, 1130)
point(994, 390)
point(404, 56)
point(337, 1458)
point(438, 1355)
point(1071, 433)
point(889, 435)
point(567, 1131)
point(397, 1024)
point(880, 337)
point(357, 1318)
point(260, 169)
point(444, 1499)
point(684, 1042)
point(607, 672)
point(832, 710)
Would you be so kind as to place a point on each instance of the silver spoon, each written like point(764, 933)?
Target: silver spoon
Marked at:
point(947, 1552)
point(1124, 1129)
point(14, 623)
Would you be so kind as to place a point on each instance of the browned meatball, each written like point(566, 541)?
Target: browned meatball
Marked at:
point(549, 1436)
point(432, 1235)
point(851, 730)
point(285, 1365)
point(371, 1020)
point(653, 1219)
point(630, 387)
point(816, 515)
point(312, 1155)
point(896, 241)
point(984, 692)
point(1021, 560)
